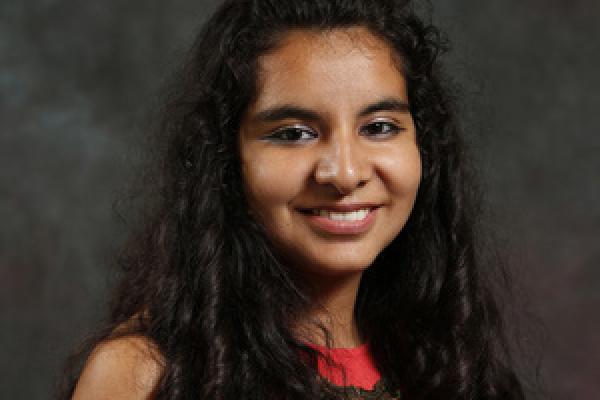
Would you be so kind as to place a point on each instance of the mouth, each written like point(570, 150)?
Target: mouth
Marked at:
point(346, 219)
point(354, 215)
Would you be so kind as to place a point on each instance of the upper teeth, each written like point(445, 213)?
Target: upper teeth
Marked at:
point(343, 216)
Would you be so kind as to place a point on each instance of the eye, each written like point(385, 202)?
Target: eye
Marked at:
point(292, 134)
point(381, 129)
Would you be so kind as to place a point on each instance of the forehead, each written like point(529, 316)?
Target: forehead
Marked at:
point(328, 65)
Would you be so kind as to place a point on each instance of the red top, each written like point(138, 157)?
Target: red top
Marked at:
point(356, 362)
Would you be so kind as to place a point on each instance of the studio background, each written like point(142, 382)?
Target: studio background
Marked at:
point(77, 81)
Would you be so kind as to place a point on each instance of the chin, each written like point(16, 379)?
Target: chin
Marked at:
point(335, 259)
point(339, 266)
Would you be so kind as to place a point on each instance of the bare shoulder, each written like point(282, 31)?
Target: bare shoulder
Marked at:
point(122, 368)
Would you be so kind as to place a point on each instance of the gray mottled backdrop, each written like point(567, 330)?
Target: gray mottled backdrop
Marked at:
point(77, 77)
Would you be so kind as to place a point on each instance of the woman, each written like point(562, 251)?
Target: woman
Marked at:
point(314, 234)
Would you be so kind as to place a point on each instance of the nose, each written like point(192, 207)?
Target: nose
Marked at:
point(343, 165)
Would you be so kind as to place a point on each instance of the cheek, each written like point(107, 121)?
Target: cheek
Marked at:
point(271, 182)
point(401, 170)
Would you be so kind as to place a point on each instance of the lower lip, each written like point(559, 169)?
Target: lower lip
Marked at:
point(343, 227)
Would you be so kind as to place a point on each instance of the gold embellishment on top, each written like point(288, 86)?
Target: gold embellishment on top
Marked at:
point(379, 392)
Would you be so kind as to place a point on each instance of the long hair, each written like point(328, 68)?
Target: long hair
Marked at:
point(202, 283)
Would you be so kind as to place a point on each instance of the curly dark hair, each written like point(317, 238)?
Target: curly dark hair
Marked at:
point(202, 282)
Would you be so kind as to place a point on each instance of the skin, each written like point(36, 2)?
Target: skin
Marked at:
point(354, 142)
point(125, 368)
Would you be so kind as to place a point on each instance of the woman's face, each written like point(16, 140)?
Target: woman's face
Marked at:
point(328, 152)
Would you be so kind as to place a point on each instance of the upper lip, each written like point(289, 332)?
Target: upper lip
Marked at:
point(342, 207)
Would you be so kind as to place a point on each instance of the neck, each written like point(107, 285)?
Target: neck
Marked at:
point(334, 299)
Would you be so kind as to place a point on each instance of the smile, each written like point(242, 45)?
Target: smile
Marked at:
point(342, 220)
point(357, 215)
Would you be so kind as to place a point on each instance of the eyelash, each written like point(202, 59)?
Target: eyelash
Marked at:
point(278, 135)
point(391, 130)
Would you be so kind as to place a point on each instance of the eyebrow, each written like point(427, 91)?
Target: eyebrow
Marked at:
point(290, 111)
